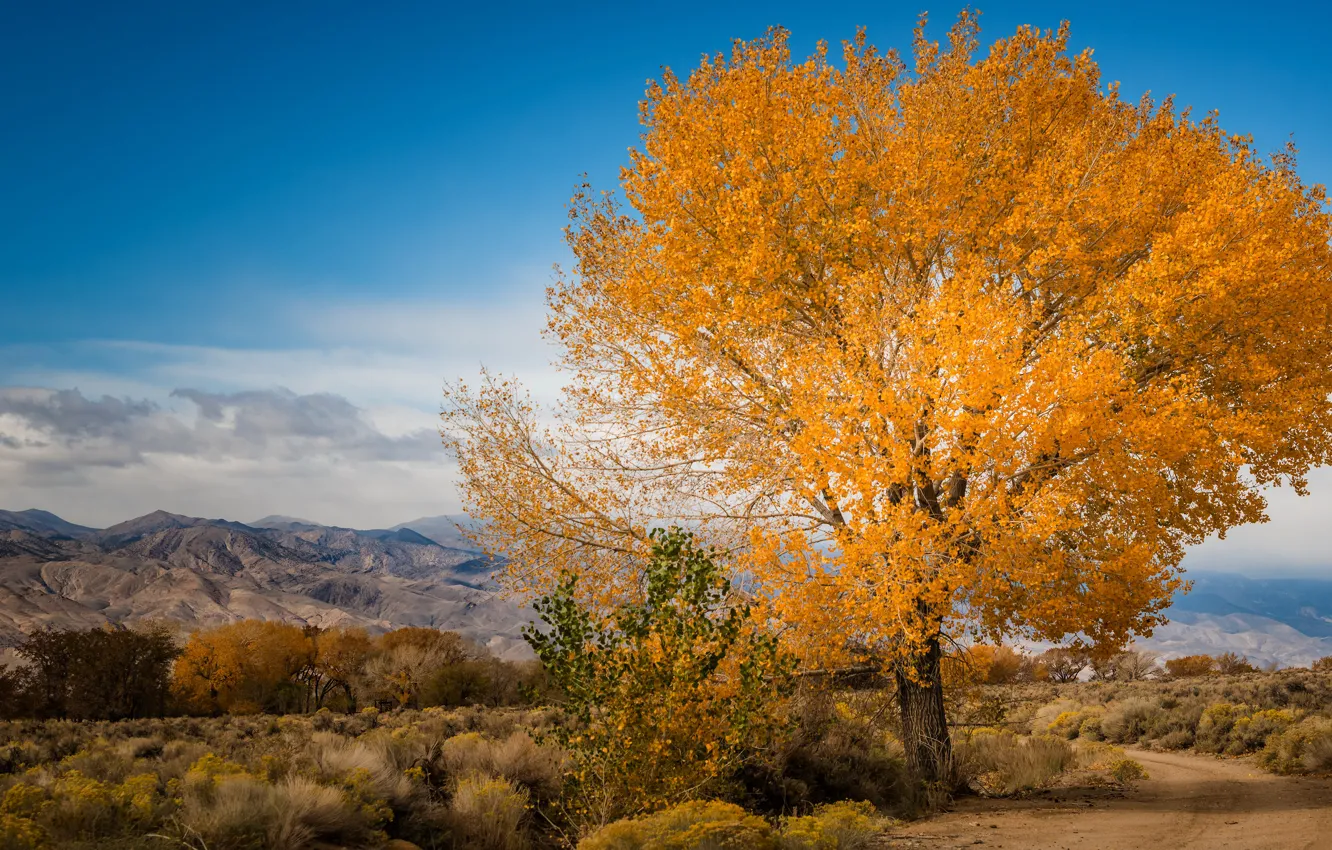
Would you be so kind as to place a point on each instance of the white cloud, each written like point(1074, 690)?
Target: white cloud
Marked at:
point(350, 439)
point(387, 361)
point(1297, 539)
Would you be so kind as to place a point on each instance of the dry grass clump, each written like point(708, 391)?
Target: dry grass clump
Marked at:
point(308, 812)
point(487, 813)
point(1127, 721)
point(233, 813)
point(1002, 762)
point(517, 758)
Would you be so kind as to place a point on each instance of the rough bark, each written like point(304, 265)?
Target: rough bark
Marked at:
point(929, 752)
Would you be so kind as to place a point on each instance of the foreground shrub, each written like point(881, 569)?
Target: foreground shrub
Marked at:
point(831, 751)
point(1004, 763)
point(236, 812)
point(1304, 747)
point(696, 825)
point(666, 697)
point(1126, 721)
point(836, 826)
point(19, 833)
point(1127, 771)
point(487, 814)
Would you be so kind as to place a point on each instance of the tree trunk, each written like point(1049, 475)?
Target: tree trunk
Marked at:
point(929, 753)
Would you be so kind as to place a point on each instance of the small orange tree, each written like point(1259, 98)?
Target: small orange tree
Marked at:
point(243, 668)
point(1188, 666)
point(970, 345)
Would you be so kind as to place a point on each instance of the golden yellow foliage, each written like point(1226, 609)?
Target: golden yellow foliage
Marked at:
point(239, 668)
point(968, 346)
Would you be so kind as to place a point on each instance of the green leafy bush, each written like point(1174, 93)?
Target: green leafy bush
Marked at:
point(668, 695)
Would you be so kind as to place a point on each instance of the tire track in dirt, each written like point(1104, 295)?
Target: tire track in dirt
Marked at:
point(1190, 802)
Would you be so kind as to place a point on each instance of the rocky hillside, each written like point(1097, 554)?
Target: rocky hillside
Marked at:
point(203, 572)
point(426, 573)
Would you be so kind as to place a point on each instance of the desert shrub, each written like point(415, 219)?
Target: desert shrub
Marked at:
point(1096, 755)
point(487, 813)
point(1066, 725)
point(20, 833)
point(307, 812)
point(1048, 714)
point(1180, 739)
point(695, 825)
point(667, 696)
point(517, 758)
point(1089, 727)
point(831, 751)
point(1005, 763)
point(70, 806)
point(1304, 747)
point(1249, 734)
point(1081, 722)
point(235, 812)
point(1215, 724)
point(1127, 771)
point(836, 826)
point(1126, 721)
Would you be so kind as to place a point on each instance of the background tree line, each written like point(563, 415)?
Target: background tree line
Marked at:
point(252, 666)
point(1001, 665)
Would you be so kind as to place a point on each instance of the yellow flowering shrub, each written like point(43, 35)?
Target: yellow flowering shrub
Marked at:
point(694, 825)
point(836, 826)
point(20, 833)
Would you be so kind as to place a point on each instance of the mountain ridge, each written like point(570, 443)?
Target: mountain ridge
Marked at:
point(202, 572)
point(426, 571)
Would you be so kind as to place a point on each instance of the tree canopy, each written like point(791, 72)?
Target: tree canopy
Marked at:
point(962, 345)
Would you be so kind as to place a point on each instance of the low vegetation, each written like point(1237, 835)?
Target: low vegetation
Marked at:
point(674, 720)
point(1281, 718)
point(253, 667)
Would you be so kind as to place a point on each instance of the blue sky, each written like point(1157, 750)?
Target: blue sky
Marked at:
point(361, 200)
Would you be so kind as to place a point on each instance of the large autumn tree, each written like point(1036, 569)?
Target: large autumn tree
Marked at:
point(969, 345)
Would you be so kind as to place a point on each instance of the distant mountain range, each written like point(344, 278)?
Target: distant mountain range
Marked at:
point(1286, 621)
point(203, 572)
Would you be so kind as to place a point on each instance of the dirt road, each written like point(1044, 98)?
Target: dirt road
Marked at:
point(1190, 802)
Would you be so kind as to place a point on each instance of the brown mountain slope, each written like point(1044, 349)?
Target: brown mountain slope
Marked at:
point(202, 572)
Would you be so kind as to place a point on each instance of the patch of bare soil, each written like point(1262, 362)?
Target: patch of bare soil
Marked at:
point(1190, 802)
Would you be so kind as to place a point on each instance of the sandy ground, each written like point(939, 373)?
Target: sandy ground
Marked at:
point(1190, 802)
